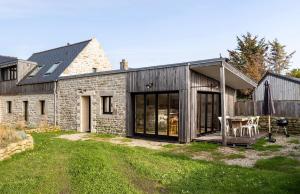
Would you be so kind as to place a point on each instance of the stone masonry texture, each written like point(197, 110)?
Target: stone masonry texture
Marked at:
point(92, 56)
point(71, 90)
point(293, 126)
point(34, 109)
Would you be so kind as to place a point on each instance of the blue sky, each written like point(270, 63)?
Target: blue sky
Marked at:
point(147, 32)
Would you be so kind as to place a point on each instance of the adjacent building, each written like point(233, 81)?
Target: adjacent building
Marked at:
point(285, 93)
point(75, 87)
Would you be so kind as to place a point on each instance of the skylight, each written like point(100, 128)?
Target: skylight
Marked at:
point(53, 68)
point(35, 71)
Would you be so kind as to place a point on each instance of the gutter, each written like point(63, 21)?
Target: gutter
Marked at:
point(55, 102)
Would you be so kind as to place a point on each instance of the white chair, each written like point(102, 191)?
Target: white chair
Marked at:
point(255, 125)
point(227, 125)
point(233, 129)
point(248, 127)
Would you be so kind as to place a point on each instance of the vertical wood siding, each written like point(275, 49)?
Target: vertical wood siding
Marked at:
point(10, 88)
point(281, 89)
point(283, 108)
point(200, 82)
point(180, 79)
point(163, 79)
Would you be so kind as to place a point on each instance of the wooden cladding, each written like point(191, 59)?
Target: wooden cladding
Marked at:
point(11, 88)
point(160, 79)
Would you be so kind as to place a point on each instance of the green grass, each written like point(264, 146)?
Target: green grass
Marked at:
point(294, 141)
point(103, 135)
point(279, 163)
point(62, 166)
point(171, 146)
point(125, 140)
point(260, 145)
point(202, 146)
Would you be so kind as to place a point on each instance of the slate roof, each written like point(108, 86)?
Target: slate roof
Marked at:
point(285, 77)
point(6, 59)
point(46, 59)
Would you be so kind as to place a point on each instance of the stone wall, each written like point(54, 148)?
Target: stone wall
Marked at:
point(24, 67)
point(293, 126)
point(34, 109)
point(92, 56)
point(71, 90)
point(16, 147)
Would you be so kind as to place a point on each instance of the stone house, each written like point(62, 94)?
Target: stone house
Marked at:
point(75, 87)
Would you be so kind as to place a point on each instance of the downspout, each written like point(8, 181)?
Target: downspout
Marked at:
point(55, 103)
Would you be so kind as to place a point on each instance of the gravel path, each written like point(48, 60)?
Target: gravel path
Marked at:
point(251, 156)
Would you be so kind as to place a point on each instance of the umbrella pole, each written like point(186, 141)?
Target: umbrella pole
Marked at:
point(270, 133)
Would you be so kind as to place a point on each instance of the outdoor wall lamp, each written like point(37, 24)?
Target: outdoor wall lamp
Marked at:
point(149, 85)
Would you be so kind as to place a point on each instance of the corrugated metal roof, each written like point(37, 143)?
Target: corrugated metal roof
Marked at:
point(65, 55)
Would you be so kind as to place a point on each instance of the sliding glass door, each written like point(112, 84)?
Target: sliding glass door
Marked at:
point(150, 113)
point(208, 111)
point(157, 114)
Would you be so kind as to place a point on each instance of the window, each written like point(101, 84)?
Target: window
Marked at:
point(35, 71)
point(53, 68)
point(42, 103)
point(25, 104)
point(157, 114)
point(8, 106)
point(107, 106)
point(9, 73)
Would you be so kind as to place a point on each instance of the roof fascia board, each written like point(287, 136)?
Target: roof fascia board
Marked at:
point(278, 76)
point(239, 74)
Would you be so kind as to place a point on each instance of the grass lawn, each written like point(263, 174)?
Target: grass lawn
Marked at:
point(62, 166)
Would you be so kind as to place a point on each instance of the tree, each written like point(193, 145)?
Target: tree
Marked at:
point(249, 57)
point(294, 73)
point(278, 60)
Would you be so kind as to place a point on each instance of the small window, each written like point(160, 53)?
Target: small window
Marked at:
point(9, 73)
point(42, 103)
point(53, 68)
point(107, 105)
point(8, 106)
point(35, 71)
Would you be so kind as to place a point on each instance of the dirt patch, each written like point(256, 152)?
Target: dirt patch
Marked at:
point(131, 142)
point(251, 156)
point(155, 145)
point(75, 136)
point(203, 156)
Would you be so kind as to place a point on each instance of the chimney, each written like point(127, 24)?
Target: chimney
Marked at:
point(124, 64)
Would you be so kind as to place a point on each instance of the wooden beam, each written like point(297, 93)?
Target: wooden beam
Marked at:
point(223, 103)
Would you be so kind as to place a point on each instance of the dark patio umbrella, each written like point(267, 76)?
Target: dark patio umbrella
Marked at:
point(268, 105)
